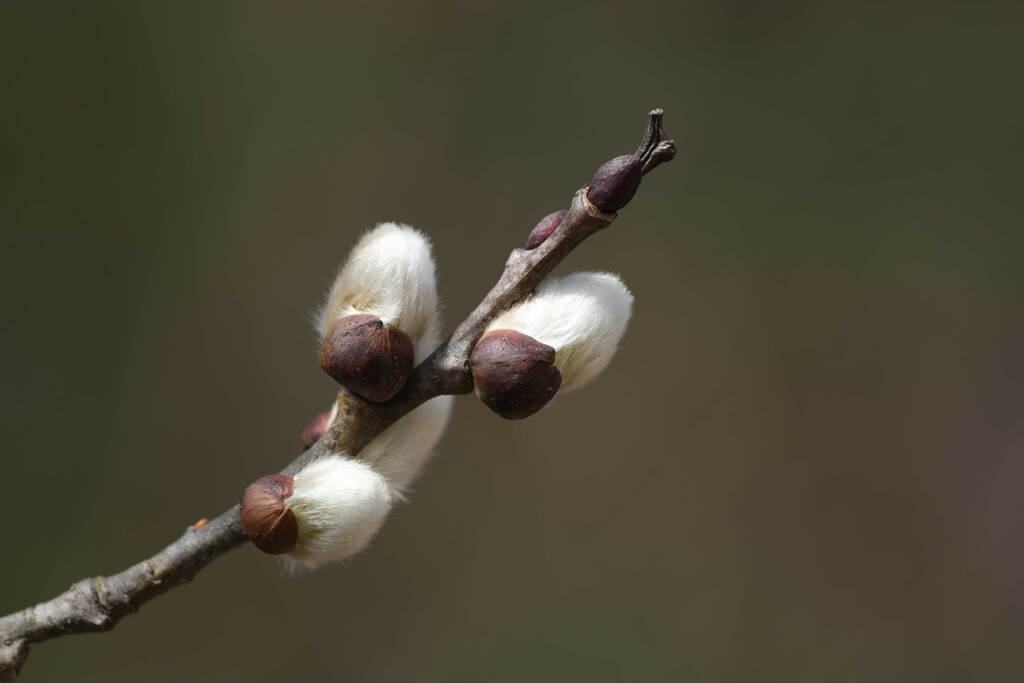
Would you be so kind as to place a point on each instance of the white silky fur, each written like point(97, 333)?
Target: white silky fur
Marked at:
point(401, 451)
point(390, 273)
point(339, 504)
point(582, 316)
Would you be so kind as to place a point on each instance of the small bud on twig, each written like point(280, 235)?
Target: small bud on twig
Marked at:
point(268, 521)
point(615, 183)
point(514, 374)
point(367, 357)
point(617, 180)
point(317, 427)
point(544, 228)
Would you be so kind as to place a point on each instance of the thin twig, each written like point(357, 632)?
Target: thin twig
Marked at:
point(99, 603)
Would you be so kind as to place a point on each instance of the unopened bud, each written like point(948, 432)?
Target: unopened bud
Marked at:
point(317, 427)
point(617, 180)
point(268, 521)
point(514, 374)
point(544, 228)
point(367, 357)
point(615, 183)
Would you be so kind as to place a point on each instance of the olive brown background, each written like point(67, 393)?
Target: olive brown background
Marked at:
point(805, 463)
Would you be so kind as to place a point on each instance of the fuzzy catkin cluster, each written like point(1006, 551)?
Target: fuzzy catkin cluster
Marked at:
point(380, 319)
point(391, 276)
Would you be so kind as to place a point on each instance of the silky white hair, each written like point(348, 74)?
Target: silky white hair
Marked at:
point(402, 450)
point(390, 273)
point(339, 504)
point(582, 316)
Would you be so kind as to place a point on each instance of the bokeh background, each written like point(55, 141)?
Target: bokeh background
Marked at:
point(805, 464)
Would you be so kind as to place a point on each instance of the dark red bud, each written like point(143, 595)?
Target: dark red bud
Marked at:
point(316, 428)
point(367, 357)
point(615, 183)
point(514, 374)
point(544, 228)
point(268, 521)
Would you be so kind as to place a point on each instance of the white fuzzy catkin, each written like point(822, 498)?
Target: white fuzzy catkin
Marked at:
point(401, 451)
point(339, 504)
point(390, 274)
point(582, 316)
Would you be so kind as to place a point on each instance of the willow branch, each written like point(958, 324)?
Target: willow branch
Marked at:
point(99, 603)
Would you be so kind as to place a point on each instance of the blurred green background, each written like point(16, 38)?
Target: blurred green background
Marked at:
point(804, 465)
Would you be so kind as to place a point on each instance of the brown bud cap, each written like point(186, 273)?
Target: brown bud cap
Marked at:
point(544, 228)
point(367, 357)
point(514, 374)
point(316, 428)
point(617, 180)
point(268, 521)
point(615, 183)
